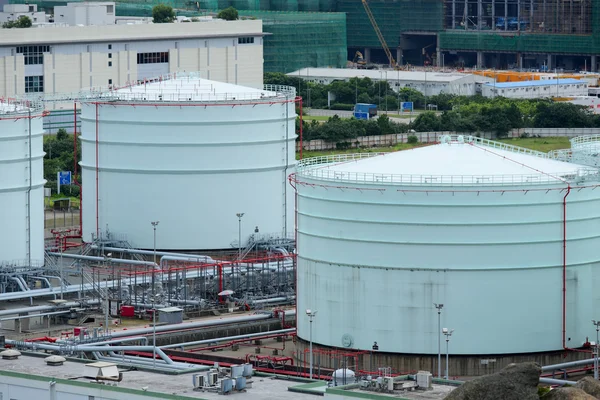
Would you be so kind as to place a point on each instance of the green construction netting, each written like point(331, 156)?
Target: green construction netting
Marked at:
point(526, 43)
point(298, 40)
point(393, 18)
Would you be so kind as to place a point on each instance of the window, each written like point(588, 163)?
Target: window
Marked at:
point(109, 55)
point(33, 55)
point(245, 40)
point(110, 63)
point(110, 46)
point(110, 81)
point(153, 58)
point(31, 8)
point(34, 84)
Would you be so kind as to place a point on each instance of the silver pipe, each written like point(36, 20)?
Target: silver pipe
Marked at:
point(35, 315)
point(567, 365)
point(227, 338)
point(191, 302)
point(44, 278)
point(19, 283)
point(150, 252)
point(21, 310)
point(105, 342)
point(148, 363)
point(89, 349)
point(272, 300)
point(107, 259)
point(551, 381)
point(193, 325)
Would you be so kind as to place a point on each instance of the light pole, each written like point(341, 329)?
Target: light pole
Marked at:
point(448, 333)
point(239, 215)
point(310, 313)
point(439, 312)
point(154, 225)
point(597, 323)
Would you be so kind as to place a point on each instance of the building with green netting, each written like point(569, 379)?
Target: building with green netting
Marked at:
point(532, 34)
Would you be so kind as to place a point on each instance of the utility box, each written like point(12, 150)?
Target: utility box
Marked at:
point(170, 315)
point(100, 370)
point(424, 380)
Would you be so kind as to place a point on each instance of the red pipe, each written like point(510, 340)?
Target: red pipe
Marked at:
point(564, 272)
point(42, 339)
point(301, 119)
point(232, 342)
point(75, 168)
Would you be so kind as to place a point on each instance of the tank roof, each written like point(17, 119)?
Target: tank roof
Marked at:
point(460, 161)
point(191, 87)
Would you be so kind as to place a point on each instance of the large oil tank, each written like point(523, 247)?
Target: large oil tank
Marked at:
point(192, 154)
point(21, 184)
point(484, 228)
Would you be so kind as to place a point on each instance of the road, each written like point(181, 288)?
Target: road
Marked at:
point(347, 114)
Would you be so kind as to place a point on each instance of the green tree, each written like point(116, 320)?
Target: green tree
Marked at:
point(22, 22)
point(162, 13)
point(228, 14)
point(426, 122)
point(562, 115)
point(59, 157)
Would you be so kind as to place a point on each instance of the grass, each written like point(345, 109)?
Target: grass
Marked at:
point(540, 144)
point(320, 118)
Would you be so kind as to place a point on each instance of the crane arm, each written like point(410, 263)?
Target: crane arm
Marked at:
point(388, 53)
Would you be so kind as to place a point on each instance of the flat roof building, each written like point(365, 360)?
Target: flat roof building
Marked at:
point(427, 82)
point(68, 59)
point(537, 89)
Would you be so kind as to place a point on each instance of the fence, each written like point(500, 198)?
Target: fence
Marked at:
point(434, 137)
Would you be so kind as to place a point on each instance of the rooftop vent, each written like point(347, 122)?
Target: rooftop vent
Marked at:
point(55, 361)
point(10, 354)
point(102, 371)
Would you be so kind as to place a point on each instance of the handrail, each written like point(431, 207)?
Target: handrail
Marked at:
point(318, 168)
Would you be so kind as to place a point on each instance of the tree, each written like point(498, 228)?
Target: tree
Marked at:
point(228, 14)
point(162, 13)
point(426, 122)
point(22, 22)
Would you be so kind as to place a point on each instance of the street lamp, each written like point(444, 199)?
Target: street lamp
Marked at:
point(439, 308)
point(311, 314)
point(154, 225)
point(597, 323)
point(239, 215)
point(448, 333)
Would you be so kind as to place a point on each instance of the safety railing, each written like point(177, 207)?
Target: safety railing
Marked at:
point(588, 143)
point(320, 168)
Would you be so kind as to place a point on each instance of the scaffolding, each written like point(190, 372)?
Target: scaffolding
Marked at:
point(393, 18)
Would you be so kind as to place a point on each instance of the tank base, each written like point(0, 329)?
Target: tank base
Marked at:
point(459, 366)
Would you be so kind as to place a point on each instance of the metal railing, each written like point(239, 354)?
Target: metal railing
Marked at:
point(587, 143)
point(318, 168)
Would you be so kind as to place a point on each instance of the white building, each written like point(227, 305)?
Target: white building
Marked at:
point(100, 13)
point(67, 59)
point(12, 12)
point(427, 82)
point(537, 89)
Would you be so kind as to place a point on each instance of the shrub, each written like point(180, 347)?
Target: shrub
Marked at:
point(412, 139)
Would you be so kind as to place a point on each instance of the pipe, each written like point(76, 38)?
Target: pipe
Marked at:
point(19, 283)
point(106, 342)
point(21, 310)
point(108, 259)
point(550, 381)
point(228, 338)
point(272, 300)
point(564, 271)
point(204, 259)
point(45, 278)
point(150, 252)
point(97, 179)
point(190, 302)
point(75, 167)
point(89, 349)
point(193, 325)
point(35, 315)
point(567, 365)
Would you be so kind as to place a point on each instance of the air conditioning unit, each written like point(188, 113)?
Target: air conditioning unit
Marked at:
point(213, 378)
point(199, 381)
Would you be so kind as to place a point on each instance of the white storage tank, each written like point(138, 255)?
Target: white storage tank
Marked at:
point(584, 149)
point(21, 184)
point(484, 228)
point(190, 153)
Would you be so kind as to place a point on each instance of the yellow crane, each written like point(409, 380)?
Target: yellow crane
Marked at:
point(388, 53)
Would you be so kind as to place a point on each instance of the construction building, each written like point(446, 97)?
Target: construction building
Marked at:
point(68, 59)
point(554, 88)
